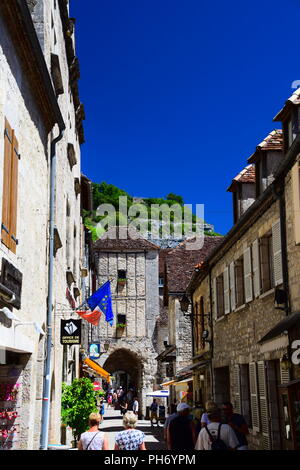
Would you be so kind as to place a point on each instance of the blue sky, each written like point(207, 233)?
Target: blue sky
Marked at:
point(178, 93)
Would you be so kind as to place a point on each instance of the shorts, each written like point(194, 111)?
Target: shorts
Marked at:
point(153, 415)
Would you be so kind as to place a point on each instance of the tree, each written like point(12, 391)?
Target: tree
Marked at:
point(78, 402)
point(175, 197)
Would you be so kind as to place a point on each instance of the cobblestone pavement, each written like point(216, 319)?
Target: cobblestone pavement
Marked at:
point(113, 423)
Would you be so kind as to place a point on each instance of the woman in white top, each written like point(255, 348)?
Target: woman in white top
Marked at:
point(93, 439)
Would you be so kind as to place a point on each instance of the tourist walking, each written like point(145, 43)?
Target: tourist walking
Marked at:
point(181, 433)
point(166, 426)
point(124, 407)
point(109, 400)
point(209, 405)
point(135, 406)
point(93, 439)
point(237, 422)
point(102, 410)
point(131, 438)
point(216, 436)
point(153, 412)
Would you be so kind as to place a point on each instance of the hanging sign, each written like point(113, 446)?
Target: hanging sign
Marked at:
point(70, 331)
point(94, 350)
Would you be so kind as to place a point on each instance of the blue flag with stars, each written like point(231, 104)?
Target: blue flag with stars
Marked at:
point(102, 299)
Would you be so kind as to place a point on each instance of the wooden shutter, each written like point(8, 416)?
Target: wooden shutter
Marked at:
point(284, 375)
point(237, 389)
point(264, 264)
point(256, 268)
point(296, 201)
point(254, 397)
point(239, 282)
point(232, 286)
point(263, 402)
point(214, 293)
point(276, 236)
point(226, 291)
point(14, 195)
point(8, 145)
point(10, 189)
point(248, 275)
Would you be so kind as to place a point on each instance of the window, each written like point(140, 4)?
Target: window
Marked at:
point(296, 201)
point(10, 189)
point(121, 319)
point(266, 262)
point(220, 296)
point(293, 126)
point(121, 274)
point(239, 282)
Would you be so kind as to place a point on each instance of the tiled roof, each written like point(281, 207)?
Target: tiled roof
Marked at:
point(273, 141)
point(180, 262)
point(247, 175)
point(293, 100)
point(119, 239)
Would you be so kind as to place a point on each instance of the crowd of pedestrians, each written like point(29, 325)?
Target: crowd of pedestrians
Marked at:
point(218, 428)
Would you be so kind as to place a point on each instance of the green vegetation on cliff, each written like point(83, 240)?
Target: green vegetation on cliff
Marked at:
point(105, 193)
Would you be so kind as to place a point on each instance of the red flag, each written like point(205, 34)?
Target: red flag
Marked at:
point(91, 317)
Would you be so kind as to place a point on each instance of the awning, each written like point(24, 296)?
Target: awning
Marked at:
point(158, 393)
point(165, 354)
point(167, 384)
point(184, 381)
point(96, 368)
point(283, 325)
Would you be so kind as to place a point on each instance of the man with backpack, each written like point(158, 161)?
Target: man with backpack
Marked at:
point(216, 436)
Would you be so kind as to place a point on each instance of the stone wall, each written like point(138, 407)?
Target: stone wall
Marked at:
point(139, 301)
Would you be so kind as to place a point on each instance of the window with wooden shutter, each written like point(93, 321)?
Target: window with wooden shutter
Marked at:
point(239, 282)
point(232, 286)
point(266, 262)
point(214, 295)
point(256, 268)
point(285, 375)
point(226, 291)
point(10, 189)
point(248, 275)
point(237, 389)
point(220, 296)
point(277, 257)
point(263, 403)
point(254, 397)
point(296, 200)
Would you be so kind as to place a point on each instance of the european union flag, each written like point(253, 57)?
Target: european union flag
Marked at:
point(102, 299)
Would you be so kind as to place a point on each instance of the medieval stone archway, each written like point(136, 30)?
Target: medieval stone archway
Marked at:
point(125, 367)
point(133, 366)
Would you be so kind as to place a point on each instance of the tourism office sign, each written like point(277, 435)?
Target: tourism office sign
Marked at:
point(70, 332)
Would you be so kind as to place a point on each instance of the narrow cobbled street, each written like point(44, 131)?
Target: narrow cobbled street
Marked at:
point(113, 423)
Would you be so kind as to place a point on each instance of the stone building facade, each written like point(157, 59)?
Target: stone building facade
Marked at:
point(176, 352)
point(130, 349)
point(245, 286)
point(38, 98)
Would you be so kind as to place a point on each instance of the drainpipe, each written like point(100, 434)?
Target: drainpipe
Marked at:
point(47, 367)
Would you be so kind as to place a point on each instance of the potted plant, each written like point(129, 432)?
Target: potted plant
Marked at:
point(120, 329)
point(121, 281)
point(78, 402)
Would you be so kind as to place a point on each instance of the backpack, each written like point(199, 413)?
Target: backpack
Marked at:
point(216, 442)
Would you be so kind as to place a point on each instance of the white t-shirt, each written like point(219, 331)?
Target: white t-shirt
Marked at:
point(227, 435)
point(135, 406)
